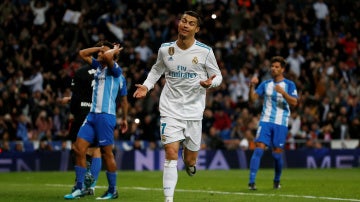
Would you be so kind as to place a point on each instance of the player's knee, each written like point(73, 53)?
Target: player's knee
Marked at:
point(260, 145)
point(79, 150)
point(277, 150)
point(171, 153)
point(107, 152)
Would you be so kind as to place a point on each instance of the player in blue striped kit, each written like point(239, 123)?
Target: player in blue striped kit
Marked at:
point(101, 121)
point(279, 95)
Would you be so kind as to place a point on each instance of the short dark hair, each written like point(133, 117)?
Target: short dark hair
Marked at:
point(195, 15)
point(279, 59)
point(104, 43)
point(110, 45)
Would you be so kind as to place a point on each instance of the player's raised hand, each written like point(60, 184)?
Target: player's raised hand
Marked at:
point(118, 47)
point(207, 83)
point(254, 80)
point(141, 91)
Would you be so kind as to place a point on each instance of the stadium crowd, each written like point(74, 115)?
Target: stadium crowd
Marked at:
point(40, 41)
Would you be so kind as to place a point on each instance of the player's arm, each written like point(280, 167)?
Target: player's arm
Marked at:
point(154, 75)
point(109, 55)
point(125, 109)
point(86, 54)
point(213, 71)
point(292, 101)
point(252, 94)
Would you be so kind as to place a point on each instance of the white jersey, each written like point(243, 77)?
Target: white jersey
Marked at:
point(182, 96)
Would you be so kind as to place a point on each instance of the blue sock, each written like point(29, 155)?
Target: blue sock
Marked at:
point(95, 169)
point(80, 176)
point(112, 181)
point(255, 164)
point(278, 165)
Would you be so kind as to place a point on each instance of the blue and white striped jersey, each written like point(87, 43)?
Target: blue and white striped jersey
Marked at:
point(123, 86)
point(275, 108)
point(106, 87)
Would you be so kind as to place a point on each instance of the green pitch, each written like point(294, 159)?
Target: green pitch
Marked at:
point(206, 186)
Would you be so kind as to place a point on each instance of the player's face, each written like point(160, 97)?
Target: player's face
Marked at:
point(188, 26)
point(101, 52)
point(276, 69)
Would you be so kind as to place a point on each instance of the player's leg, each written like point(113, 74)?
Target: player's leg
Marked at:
point(190, 158)
point(171, 131)
point(96, 163)
point(83, 140)
point(105, 126)
point(263, 139)
point(80, 169)
point(191, 145)
point(74, 129)
point(111, 174)
point(93, 170)
point(278, 141)
point(170, 173)
point(278, 164)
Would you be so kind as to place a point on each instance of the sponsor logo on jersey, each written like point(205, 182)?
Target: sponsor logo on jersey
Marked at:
point(85, 104)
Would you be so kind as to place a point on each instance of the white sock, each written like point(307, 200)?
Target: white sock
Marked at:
point(170, 177)
point(169, 199)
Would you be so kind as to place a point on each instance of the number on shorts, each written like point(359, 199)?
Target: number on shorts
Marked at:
point(163, 125)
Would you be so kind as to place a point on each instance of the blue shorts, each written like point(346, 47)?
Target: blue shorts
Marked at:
point(272, 135)
point(98, 129)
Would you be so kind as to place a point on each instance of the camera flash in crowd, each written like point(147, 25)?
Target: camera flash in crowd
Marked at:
point(137, 121)
point(213, 16)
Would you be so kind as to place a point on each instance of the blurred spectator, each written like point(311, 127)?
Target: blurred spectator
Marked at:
point(222, 123)
point(295, 61)
point(326, 134)
point(22, 128)
point(44, 146)
point(213, 140)
point(39, 8)
point(19, 146)
point(35, 82)
point(143, 50)
point(43, 125)
point(294, 129)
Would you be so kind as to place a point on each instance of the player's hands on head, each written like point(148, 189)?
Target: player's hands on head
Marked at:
point(207, 83)
point(141, 91)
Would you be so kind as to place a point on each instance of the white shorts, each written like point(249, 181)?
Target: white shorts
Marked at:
point(188, 131)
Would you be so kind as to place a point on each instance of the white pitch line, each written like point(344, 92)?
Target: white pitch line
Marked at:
point(223, 193)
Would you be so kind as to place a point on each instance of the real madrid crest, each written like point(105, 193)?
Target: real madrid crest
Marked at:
point(195, 60)
point(171, 52)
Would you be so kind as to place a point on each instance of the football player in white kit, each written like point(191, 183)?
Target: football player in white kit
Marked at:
point(190, 68)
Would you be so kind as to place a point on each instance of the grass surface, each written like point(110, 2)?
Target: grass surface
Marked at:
point(206, 186)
